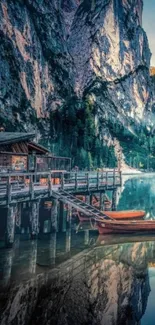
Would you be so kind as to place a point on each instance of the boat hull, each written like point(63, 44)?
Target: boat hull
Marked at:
point(125, 215)
point(126, 227)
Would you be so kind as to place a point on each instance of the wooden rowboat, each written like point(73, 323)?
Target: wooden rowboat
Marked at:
point(117, 215)
point(125, 215)
point(125, 227)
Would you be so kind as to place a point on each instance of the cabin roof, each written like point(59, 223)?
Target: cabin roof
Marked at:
point(12, 137)
point(20, 142)
point(32, 146)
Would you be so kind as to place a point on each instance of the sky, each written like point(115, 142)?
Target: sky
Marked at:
point(149, 25)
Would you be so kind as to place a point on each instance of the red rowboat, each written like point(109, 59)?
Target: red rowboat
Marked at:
point(125, 215)
point(117, 215)
point(125, 227)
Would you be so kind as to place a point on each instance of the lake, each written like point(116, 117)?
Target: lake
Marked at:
point(80, 277)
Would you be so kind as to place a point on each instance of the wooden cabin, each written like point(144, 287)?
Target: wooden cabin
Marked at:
point(19, 153)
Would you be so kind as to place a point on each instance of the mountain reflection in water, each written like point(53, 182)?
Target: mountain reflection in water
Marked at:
point(104, 284)
point(138, 193)
point(82, 278)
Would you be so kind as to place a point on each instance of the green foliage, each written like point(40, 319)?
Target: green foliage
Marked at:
point(74, 134)
point(140, 152)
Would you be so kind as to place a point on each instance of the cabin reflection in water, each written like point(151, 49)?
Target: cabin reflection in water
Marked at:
point(63, 280)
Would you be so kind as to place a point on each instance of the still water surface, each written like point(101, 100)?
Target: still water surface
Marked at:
point(83, 278)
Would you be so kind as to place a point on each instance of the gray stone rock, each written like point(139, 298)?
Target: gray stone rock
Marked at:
point(53, 50)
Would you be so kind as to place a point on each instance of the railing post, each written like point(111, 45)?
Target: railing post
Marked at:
point(31, 187)
point(9, 190)
point(49, 184)
point(98, 180)
point(87, 180)
point(114, 199)
point(62, 181)
point(102, 201)
point(76, 181)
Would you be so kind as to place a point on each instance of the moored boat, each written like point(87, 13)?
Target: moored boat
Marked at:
point(117, 215)
point(125, 215)
point(125, 227)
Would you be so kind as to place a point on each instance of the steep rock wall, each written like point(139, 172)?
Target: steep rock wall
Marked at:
point(56, 54)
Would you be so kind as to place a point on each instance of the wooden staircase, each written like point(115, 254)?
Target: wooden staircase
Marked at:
point(80, 205)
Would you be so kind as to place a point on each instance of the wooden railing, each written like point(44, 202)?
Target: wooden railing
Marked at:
point(13, 183)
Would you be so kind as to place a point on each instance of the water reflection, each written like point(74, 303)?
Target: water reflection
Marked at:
point(82, 278)
point(139, 194)
point(105, 284)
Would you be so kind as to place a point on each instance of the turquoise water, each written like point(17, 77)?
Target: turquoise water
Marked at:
point(149, 316)
point(80, 277)
point(138, 193)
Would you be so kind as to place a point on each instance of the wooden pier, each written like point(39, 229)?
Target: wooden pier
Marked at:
point(32, 177)
point(56, 187)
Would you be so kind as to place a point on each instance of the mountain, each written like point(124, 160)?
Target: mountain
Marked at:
point(152, 74)
point(77, 72)
point(152, 71)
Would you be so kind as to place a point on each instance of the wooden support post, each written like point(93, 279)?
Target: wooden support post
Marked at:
point(76, 182)
point(18, 218)
point(34, 219)
point(87, 180)
point(98, 180)
point(114, 193)
point(31, 187)
point(69, 217)
point(62, 217)
point(33, 257)
point(68, 231)
point(86, 237)
point(62, 181)
point(54, 215)
point(91, 199)
point(68, 240)
point(10, 226)
point(7, 267)
point(52, 248)
point(9, 190)
point(102, 201)
point(49, 185)
point(106, 179)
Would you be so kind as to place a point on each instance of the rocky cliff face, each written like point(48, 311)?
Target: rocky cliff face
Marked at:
point(152, 73)
point(58, 55)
